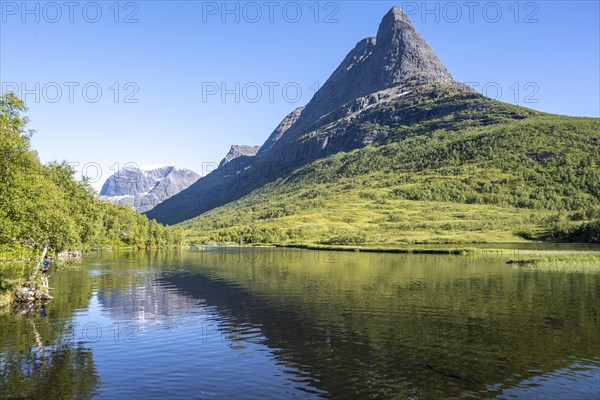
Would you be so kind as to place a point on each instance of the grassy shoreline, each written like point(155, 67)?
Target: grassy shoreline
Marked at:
point(377, 249)
point(589, 262)
point(549, 260)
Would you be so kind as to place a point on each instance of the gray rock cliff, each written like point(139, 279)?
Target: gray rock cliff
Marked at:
point(237, 151)
point(142, 189)
point(282, 128)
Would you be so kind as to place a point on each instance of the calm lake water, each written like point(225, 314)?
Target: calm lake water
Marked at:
point(283, 323)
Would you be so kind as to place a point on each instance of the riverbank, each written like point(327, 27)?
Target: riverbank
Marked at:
point(17, 264)
point(22, 295)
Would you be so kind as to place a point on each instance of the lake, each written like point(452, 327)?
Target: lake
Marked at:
point(273, 323)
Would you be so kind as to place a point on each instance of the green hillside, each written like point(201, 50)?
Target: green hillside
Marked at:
point(511, 174)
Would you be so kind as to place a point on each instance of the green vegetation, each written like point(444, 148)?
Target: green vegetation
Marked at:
point(380, 249)
point(586, 262)
point(528, 176)
point(44, 208)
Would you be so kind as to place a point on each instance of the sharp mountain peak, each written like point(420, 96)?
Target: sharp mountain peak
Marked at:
point(378, 70)
point(397, 56)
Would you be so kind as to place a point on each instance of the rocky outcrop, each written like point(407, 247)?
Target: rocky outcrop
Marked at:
point(29, 293)
point(69, 255)
point(541, 157)
point(237, 151)
point(142, 189)
point(282, 128)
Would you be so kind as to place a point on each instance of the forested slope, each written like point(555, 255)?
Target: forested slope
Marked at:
point(45, 206)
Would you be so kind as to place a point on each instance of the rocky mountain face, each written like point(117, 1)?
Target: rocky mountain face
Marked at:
point(282, 128)
point(237, 151)
point(142, 189)
point(398, 57)
point(391, 80)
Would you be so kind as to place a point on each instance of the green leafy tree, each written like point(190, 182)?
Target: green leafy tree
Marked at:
point(43, 207)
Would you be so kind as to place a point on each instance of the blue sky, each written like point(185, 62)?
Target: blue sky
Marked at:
point(178, 82)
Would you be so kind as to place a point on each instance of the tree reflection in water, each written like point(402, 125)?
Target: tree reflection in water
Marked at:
point(49, 372)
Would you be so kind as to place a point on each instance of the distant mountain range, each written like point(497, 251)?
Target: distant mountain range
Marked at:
point(388, 138)
point(144, 188)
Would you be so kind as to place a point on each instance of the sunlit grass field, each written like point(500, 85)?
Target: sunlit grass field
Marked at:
point(350, 218)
